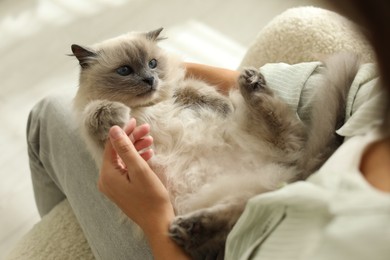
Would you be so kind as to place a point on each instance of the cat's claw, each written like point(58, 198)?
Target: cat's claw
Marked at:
point(186, 231)
point(253, 87)
point(200, 235)
point(252, 80)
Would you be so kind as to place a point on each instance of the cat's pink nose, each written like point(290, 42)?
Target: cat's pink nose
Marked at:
point(149, 81)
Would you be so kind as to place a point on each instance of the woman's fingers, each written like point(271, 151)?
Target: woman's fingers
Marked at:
point(147, 154)
point(140, 132)
point(139, 137)
point(136, 132)
point(130, 126)
point(143, 143)
point(123, 145)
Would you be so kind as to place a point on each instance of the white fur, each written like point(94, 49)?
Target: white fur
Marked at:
point(206, 163)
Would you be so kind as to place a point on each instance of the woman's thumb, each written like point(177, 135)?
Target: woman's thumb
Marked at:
point(122, 144)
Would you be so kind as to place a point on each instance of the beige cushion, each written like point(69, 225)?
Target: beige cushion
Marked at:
point(305, 34)
point(56, 236)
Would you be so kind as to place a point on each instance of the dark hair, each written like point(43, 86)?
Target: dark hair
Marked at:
point(374, 18)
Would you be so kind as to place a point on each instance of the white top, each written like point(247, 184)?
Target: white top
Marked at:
point(335, 214)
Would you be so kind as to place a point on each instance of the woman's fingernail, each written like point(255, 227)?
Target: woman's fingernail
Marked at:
point(116, 132)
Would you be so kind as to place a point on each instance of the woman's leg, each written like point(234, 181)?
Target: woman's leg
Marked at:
point(62, 168)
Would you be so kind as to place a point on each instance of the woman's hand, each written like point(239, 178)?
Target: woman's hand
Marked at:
point(127, 179)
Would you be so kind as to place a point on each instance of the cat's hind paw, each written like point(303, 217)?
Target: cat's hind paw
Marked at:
point(253, 87)
point(185, 231)
point(251, 80)
point(200, 234)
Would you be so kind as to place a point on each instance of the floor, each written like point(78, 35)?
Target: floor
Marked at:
point(36, 36)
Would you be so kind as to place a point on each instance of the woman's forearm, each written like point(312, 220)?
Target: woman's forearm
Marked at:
point(164, 248)
point(156, 232)
point(223, 79)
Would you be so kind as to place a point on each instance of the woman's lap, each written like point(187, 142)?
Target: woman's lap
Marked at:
point(61, 167)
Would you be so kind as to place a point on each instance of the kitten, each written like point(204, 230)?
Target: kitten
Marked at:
point(216, 151)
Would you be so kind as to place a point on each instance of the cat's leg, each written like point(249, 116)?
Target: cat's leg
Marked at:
point(203, 233)
point(97, 119)
point(196, 95)
point(268, 116)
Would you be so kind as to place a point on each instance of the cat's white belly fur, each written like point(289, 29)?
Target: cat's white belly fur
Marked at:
point(208, 162)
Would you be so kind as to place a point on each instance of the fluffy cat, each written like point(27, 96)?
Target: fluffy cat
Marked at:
point(216, 151)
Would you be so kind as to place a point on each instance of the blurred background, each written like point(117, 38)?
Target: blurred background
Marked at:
point(35, 36)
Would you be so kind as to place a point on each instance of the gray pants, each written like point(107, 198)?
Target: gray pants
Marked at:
point(62, 168)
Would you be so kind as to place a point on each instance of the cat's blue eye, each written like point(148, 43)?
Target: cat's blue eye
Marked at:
point(153, 63)
point(124, 70)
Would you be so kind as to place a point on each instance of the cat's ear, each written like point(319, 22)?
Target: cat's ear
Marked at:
point(83, 54)
point(155, 35)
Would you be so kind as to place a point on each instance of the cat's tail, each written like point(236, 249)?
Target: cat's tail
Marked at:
point(328, 110)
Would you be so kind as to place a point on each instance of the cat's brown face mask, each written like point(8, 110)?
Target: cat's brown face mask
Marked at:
point(129, 67)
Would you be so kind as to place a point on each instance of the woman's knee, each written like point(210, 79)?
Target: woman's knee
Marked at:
point(49, 113)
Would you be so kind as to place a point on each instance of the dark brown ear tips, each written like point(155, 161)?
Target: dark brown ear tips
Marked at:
point(83, 54)
point(154, 35)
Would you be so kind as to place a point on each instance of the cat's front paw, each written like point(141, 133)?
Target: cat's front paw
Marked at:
point(199, 234)
point(101, 115)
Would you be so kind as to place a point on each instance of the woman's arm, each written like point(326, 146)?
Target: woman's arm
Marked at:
point(129, 182)
point(375, 165)
point(223, 79)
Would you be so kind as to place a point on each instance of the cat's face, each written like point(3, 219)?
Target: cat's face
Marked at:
point(131, 69)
